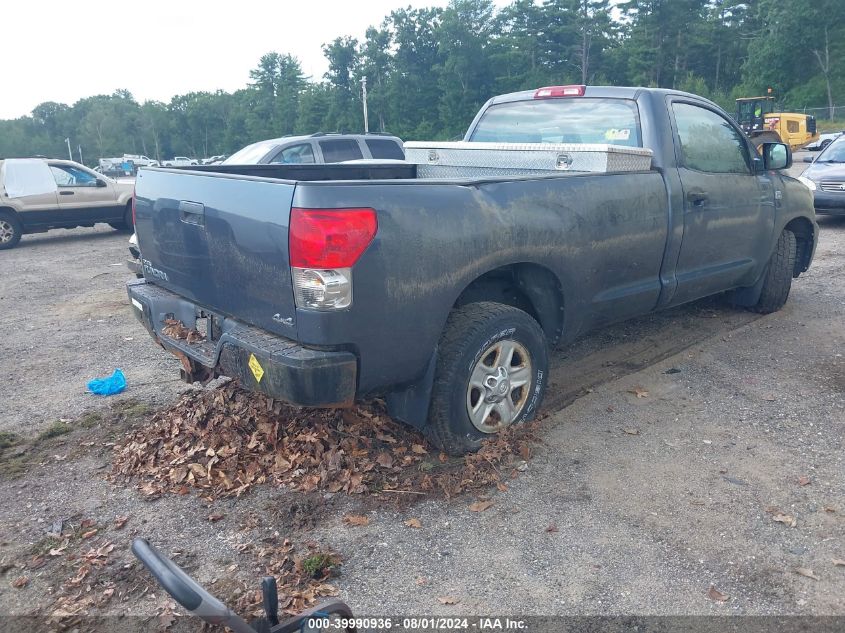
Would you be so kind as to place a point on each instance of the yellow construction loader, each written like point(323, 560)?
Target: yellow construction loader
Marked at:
point(757, 117)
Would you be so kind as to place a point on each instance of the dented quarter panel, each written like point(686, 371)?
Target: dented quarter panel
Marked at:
point(602, 236)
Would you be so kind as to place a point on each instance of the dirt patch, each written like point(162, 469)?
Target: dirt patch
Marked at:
point(66, 440)
point(832, 371)
point(223, 442)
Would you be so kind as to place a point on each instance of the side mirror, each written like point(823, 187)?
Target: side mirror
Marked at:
point(101, 183)
point(776, 156)
point(809, 159)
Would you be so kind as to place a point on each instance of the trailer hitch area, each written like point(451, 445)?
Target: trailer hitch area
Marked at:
point(192, 371)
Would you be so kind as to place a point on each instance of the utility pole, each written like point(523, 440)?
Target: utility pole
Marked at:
point(69, 153)
point(364, 90)
point(79, 149)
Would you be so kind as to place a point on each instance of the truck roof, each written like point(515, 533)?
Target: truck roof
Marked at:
point(57, 161)
point(611, 92)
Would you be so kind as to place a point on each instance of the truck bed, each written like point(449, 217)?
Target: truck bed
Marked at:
point(445, 161)
point(434, 237)
point(307, 173)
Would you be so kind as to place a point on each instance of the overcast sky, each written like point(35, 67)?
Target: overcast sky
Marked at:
point(54, 50)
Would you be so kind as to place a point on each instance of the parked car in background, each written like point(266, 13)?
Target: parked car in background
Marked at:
point(823, 141)
point(319, 148)
point(180, 161)
point(37, 195)
point(826, 178)
point(127, 164)
point(140, 160)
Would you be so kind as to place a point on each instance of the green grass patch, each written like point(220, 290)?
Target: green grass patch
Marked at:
point(14, 466)
point(54, 430)
point(830, 125)
point(319, 565)
point(8, 439)
point(90, 420)
point(43, 547)
point(131, 408)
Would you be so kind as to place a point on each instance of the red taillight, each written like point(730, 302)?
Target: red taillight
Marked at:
point(330, 238)
point(550, 92)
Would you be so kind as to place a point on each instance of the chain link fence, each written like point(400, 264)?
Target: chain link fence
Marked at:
point(822, 114)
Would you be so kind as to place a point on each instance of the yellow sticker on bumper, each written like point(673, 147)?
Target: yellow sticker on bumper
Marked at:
point(256, 368)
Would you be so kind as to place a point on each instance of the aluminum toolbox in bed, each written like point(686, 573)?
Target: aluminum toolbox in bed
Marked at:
point(468, 159)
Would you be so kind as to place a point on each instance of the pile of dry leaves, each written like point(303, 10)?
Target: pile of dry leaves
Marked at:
point(176, 329)
point(226, 440)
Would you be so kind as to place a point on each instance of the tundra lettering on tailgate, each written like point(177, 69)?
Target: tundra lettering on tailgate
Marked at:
point(152, 271)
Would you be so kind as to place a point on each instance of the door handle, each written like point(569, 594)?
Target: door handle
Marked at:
point(697, 198)
point(65, 193)
point(192, 213)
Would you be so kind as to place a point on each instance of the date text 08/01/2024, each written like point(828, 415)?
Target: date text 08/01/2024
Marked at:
point(419, 624)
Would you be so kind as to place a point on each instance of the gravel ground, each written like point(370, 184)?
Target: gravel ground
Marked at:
point(63, 306)
point(630, 505)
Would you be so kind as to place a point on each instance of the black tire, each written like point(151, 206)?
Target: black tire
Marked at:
point(765, 137)
point(472, 334)
point(127, 224)
point(824, 144)
point(778, 276)
point(11, 230)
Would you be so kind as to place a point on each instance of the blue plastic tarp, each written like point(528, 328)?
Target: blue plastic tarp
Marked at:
point(108, 386)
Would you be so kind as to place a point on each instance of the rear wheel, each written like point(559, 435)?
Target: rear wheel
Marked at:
point(491, 373)
point(10, 230)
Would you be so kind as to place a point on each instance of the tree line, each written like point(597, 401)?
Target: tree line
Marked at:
point(428, 71)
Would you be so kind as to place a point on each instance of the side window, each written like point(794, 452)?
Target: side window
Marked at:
point(708, 142)
point(294, 155)
point(792, 127)
point(338, 150)
point(72, 177)
point(383, 148)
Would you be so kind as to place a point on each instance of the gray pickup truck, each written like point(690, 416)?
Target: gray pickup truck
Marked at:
point(324, 284)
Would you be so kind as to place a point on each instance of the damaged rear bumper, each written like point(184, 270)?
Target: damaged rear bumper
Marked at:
point(271, 364)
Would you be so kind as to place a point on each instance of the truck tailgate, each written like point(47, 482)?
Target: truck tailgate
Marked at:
point(221, 241)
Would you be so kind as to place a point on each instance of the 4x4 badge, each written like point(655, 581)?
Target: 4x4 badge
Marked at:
point(278, 318)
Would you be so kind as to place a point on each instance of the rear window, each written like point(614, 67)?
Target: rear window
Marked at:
point(578, 120)
point(383, 148)
point(338, 150)
point(295, 154)
point(251, 154)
